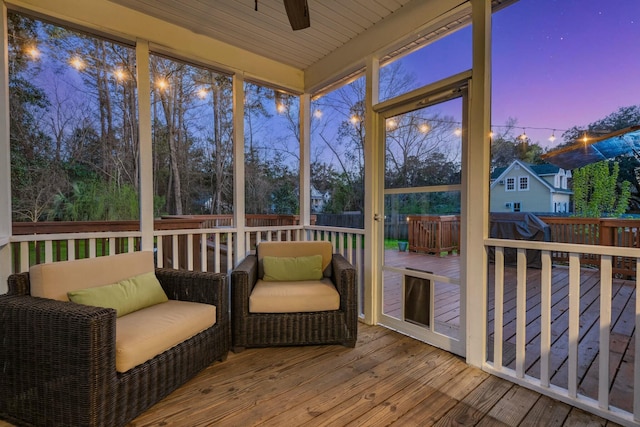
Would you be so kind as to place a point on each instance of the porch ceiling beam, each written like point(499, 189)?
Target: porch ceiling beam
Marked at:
point(105, 17)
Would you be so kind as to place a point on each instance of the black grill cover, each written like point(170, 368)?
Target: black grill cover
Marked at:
point(518, 226)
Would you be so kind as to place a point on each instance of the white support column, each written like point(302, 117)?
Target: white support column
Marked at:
point(373, 188)
point(238, 170)
point(146, 145)
point(476, 209)
point(5, 162)
point(305, 159)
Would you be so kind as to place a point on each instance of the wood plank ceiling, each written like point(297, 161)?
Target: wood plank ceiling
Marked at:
point(267, 31)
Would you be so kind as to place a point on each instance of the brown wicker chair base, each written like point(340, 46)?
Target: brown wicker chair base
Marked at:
point(282, 329)
point(57, 359)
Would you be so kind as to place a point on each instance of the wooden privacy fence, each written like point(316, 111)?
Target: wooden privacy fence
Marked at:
point(441, 233)
point(434, 233)
point(622, 233)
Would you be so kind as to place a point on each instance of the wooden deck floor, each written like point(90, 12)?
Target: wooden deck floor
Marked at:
point(388, 379)
point(622, 342)
point(622, 333)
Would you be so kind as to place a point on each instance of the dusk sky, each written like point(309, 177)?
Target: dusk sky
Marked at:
point(556, 63)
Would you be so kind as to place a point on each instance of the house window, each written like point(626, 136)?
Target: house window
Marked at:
point(523, 183)
point(510, 184)
point(516, 206)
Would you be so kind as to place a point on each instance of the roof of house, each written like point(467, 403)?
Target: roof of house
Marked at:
point(544, 169)
point(534, 170)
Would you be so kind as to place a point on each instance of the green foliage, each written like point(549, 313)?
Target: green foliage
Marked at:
point(96, 201)
point(439, 203)
point(620, 119)
point(346, 195)
point(285, 199)
point(596, 191)
point(505, 149)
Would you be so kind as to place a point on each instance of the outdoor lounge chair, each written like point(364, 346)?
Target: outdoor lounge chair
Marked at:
point(62, 363)
point(301, 311)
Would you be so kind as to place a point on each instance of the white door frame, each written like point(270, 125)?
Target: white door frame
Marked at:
point(450, 88)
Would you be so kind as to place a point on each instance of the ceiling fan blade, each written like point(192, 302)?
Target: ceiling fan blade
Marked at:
point(298, 13)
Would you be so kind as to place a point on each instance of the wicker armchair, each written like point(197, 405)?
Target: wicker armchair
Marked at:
point(57, 359)
point(301, 328)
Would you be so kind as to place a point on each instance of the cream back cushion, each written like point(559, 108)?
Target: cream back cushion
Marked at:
point(55, 279)
point(295, 249)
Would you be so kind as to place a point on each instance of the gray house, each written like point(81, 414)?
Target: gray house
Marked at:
point(523, 187)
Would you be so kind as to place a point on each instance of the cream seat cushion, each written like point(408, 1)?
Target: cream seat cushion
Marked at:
point(145, 333)
point(294, 297)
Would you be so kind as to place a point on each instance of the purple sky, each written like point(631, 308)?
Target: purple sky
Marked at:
point(556, 63)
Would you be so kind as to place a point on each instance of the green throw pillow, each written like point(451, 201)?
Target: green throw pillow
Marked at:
point(126, 296)
point(287, 269)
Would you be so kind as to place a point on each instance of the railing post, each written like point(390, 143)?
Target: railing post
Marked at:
point(5, 164)
point(145, 145)
point(607, 233)
point(475, 160)
point(238, 170)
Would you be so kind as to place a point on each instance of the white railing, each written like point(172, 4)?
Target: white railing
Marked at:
point(191, 249)
point(93, 240)
point(214, 242)
point(213, 248)
point(206, 249)
point(517, 369)
point(348, 242)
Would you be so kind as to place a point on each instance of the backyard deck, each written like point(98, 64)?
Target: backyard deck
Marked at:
point(622, 342)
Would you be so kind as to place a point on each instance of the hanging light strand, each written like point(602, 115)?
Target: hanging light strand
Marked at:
point(32, 50)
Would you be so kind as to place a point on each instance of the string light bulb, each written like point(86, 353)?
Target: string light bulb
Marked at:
point(77, 63)
point(585, 138)
point(33, 52)
point(119, 74)
point(392, 124)
point(162, 84)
